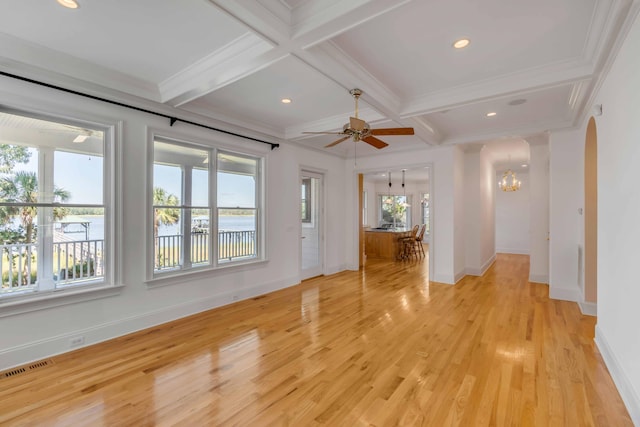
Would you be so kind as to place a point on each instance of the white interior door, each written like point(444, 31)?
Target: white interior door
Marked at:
point(311, 253)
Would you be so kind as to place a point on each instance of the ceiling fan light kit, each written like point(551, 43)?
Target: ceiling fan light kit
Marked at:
point(359, 130)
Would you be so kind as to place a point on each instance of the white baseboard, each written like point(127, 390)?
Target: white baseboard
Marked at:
point(472, 271)
point(512, 251)
point(444, 278)
point(564, 294)
point(539, 278)
point(620, 378)
point(52, 346)
point(588, 308)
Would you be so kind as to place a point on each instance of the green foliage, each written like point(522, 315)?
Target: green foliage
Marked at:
point(165, 215)
point(22, 187)
point(10, 155)
point(15, 277)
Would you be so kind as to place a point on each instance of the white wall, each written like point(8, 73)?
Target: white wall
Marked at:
point(488, 192)
point(618, 131)
point(512, 217)
point(566, 195)
point(539, 204)
point(42, 333)
point(459, 255)
point(479, 212)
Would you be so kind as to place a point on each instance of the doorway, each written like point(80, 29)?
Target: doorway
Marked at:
point(311, 224)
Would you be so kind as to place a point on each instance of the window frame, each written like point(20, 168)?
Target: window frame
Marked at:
point(168, 277)
point(380, 202)
point(37, 298)
point(306, 201)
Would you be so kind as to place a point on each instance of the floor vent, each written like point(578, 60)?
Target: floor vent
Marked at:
point(24, 369)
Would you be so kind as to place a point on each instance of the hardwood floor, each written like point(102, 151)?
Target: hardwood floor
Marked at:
point(378, 347)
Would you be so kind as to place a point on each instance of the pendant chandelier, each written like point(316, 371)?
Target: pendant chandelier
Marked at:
point(509, 181)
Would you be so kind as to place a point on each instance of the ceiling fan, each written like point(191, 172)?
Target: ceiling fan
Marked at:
point(359, 130)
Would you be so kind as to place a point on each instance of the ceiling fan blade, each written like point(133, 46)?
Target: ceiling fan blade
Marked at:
point(325, 133)
point(372, 140)
point(337, 142)
point(392, 131)
point(356, 124)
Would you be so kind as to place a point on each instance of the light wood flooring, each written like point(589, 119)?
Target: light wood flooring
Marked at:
point(378, 347)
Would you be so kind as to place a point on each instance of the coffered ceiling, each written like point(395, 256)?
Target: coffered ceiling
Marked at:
point(535, 64)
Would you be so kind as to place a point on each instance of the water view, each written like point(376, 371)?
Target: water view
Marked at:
point(226, 222)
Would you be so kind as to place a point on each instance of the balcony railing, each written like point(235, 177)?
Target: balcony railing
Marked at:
point(232, 245)
point(73, 262)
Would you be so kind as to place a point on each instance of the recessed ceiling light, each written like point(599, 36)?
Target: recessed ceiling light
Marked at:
point(71, 4)
point(286, 101)
point(524, 165)
point(462, 43)
point(491, 114)
point(80, 138)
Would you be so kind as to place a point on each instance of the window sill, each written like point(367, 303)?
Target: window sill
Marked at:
point(34, 301)
point(179, 276)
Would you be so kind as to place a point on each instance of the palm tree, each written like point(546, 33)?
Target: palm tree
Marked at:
point(163, 215)
point(22, 187)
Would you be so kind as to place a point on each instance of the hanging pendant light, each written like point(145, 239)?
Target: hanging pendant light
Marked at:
point(389, 200)
point(404, 191)
point(509, 181)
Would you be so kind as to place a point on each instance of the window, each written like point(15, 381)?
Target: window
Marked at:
point(365, 208)
point(306, 200)
point(185, 207)
point(55, 213)
point(393, 211)
point(425, 211)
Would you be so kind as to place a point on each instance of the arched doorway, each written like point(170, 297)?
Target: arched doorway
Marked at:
point(591, 213)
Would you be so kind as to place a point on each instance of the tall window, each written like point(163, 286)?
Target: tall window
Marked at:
point(184, 210)
point(54, 205)
point(239, 199)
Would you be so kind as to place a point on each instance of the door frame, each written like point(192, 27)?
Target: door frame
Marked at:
point(432, 217)
point(319, 174)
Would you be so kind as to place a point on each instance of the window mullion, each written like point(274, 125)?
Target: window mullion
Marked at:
point(186, 215)
point(45, 228)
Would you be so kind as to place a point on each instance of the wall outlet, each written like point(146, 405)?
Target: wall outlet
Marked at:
point(76, 341)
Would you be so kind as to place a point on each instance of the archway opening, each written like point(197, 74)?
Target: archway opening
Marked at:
point(591, 213)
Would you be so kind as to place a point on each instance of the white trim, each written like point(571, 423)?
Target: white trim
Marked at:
point(512, 251)
point(564, 294)
point(52, 346)
point(625, 387)
point(588, 308)
point(539, 278)
point(472, 271)
point(444, 278)
point(34, 301)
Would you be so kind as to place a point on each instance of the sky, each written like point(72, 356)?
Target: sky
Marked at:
point(81, 175)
